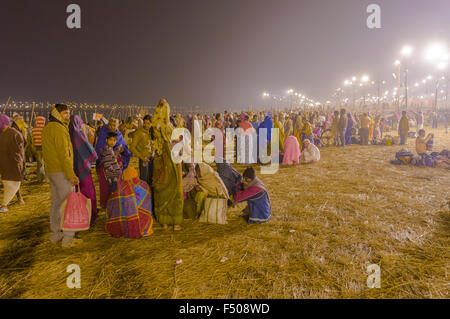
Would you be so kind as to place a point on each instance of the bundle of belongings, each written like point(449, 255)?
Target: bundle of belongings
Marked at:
point(402, 158)
point(435, 159)
point(388, 140)
point(215, 204)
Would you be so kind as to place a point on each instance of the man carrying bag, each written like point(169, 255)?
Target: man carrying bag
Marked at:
point(58, 162)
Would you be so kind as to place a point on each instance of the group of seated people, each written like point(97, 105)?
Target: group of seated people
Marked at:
point(426, 157)
point(293, 155)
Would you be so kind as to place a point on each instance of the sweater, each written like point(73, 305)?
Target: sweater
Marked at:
point(57, 147)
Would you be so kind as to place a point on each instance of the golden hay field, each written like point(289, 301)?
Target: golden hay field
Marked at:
point(329, 222)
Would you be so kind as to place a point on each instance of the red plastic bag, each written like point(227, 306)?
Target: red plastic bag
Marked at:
point(76, 212)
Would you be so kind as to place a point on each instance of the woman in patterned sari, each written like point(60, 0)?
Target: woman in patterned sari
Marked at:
point(167, 176)
point(84, 156)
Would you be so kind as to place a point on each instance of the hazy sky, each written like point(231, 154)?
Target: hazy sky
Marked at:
point(212, 53)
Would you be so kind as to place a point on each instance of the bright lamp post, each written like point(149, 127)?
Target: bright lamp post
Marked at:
point(364, 80)
point(406, 52)
point(352, 85)
point(437, 54)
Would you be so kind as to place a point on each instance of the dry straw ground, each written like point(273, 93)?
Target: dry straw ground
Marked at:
point(330, 221)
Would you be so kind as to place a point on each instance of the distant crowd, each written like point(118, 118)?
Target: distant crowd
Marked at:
point(66, 150)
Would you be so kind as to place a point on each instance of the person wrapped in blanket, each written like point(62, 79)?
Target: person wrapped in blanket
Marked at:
point(123, 158)
point(255, 193)
point(110, 162)
point(230, 177)
point(129, 208)
point(193, 197)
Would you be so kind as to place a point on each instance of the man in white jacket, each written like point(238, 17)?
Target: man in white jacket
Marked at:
point(310, 152)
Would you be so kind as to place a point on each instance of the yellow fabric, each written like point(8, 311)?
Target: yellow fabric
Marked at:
point(210, 182)
point(288, 127)
point(141, 143)
point(306, 129)
point(277, 125)
point(57, 148)
point(167, 176)
point(162, 126)
point(298, 129)
point(180, 121)
point(371, 128)
point(404, 126)
point(22, 127)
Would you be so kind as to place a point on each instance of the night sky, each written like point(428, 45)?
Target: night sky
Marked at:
point(212, 53)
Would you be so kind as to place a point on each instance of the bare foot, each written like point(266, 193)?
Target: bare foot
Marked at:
point(176, 227)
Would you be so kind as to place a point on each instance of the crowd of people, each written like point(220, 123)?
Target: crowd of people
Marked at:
point(67, 149)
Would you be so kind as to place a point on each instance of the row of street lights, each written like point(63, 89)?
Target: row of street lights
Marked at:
point(292, 95)
point(435, 54)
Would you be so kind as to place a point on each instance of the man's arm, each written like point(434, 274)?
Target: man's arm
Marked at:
point(63, 146)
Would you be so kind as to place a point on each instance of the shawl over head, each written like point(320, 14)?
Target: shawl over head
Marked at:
point(245, 125)
point(101, 142)
point(190, 180)
point(4, 122)
point(189, 122)
point(84, 153)
point(229, 176)
point(258, 183)
point(162, 126)
point(210, 181)
point(267, 124)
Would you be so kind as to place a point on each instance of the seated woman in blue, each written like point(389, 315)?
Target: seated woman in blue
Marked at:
point(256, 194)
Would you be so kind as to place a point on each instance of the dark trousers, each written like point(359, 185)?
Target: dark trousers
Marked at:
point(146, 171)
point(364, 136)
point(402, 139)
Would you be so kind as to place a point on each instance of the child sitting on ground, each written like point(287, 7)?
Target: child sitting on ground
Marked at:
point(255, 193)
point(110, 162)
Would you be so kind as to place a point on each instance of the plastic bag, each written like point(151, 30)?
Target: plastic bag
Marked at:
point(76, 212)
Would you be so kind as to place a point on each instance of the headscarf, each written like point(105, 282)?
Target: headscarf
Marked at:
point(245, 125)
point(162, 126)
point(189, 122)
point(351, 121)
point(229, 176)
point(101, 142)
point(55, 116)
point(84, 153)
point(4, 122)
point(258, 183)
point(190, 180)
point(210, 182)
point(179, 120)
point(267, 124)
point(288, 127)
point(306, 127)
